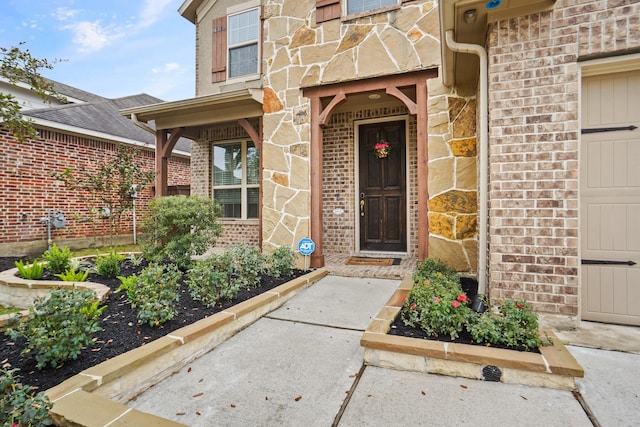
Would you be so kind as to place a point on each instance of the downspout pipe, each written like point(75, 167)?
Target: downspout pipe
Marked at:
point(484, 153)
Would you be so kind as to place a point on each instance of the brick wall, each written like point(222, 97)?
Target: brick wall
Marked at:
point(27, 189)
point(534, 86)
point(339, 181)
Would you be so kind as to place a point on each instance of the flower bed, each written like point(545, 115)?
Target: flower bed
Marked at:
point(553, 367)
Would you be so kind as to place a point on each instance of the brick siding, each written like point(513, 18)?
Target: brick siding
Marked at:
point(534, 84)
point(28, 190)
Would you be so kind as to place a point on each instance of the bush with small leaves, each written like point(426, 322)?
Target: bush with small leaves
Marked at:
point(178, 227)
point(20, 405)
point(31, 271)
point(516, 326)
point(208, 281)
point(108, 265)
point(57, 259)
point(155, 294)
point(58, 327)
point(248, 263)
point(281, 262)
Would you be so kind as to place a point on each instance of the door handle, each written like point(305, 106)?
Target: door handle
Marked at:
point(361, 207)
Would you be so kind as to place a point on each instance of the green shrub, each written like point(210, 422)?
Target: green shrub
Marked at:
point(57, 328)
point(281, 262)
point(155, 294)
point(209, 281)
point(57, 259)
point(108, 265)
point(437, 306)
point(178, 227)
point(427, 268)
point(516, 326)
point(19, 404)
point(31, 271)
point(71, 275)
point(248, 265)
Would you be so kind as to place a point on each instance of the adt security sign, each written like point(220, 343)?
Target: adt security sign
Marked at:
point(306, 246)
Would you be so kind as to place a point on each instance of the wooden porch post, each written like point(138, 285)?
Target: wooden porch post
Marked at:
point(423, 170)
point(164, 147)
point(317, 257)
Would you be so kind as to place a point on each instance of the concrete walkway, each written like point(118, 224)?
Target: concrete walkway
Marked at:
point(302, 365)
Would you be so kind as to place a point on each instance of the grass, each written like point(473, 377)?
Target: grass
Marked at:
point(8, 310)
point(106, 250)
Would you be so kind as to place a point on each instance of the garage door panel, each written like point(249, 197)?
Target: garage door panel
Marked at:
point(610, 198)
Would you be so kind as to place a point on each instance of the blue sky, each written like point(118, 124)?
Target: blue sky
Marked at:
point(111, 48)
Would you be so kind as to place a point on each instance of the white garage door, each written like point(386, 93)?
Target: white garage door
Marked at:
point(610, 198)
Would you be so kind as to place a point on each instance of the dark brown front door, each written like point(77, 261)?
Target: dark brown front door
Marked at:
point(382, 206)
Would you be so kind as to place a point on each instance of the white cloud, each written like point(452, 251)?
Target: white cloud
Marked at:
point(170, 67)
point(92, 36)
point(152, 11)
point(64, 14)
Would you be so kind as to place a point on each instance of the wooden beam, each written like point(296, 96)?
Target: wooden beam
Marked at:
point(411, 106)
point(255, 135)
point(317, 257)
point(325, 116)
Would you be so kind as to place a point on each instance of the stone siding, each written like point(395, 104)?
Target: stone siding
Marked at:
point(298, 52)
point(534, 138)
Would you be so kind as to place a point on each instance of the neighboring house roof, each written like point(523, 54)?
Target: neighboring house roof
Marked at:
point(98, 116)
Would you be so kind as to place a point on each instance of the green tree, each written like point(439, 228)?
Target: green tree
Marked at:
point(17, 65)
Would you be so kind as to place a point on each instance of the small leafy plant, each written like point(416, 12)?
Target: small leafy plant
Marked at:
point(127, 284)
point(437, 306)
point(71, 275)
point(281, 262)
point(31, 271)
point(155, 294)
point(57, 328)
point(208, 281)
point(108, 265)
point(516, 325)
point(57, 259)
point(20, 405)
point(248, 265)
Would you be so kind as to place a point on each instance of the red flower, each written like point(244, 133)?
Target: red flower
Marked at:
point(436, 299)
point(462, 298)
point(404, 298)
point(414, 305)
point(519, 305)
point(455, 304)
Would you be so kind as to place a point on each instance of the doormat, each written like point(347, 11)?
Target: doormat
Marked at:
point(380, 262)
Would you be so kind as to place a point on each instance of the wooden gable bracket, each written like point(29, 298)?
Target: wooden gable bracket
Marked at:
point(255, 135)
point(325, 117)
point(411, 105)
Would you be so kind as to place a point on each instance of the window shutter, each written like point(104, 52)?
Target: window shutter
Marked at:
point(219, 53)
point(327, 10)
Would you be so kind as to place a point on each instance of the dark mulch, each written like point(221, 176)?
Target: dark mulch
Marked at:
point(121, 329)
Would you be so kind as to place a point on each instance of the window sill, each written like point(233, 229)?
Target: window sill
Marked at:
point(370, 13)
point(236, 221)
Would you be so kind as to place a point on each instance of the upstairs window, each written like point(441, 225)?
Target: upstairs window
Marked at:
point(236, 173)
point(236, 50)
point(243, 33)
point(359, 6)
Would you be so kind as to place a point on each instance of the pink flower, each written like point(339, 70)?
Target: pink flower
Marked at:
point(436, 299)
point(404, 298)
point(414, 305)
point(462, 298)
point(455, 304)
point(519, 305)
